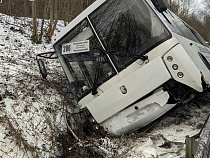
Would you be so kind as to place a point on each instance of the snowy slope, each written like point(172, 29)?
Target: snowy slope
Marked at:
point(31, 110)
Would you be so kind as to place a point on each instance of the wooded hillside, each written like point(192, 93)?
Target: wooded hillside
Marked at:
point(65, 9)
point(189, 10)
point(194, 13)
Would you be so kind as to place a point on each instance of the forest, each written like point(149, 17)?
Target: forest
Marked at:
point(194, 13)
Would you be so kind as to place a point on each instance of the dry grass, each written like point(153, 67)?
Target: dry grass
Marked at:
point(17, 135)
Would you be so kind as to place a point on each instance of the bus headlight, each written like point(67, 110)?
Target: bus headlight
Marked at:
point(180, 74)
point(175, 66)
point(170, 58)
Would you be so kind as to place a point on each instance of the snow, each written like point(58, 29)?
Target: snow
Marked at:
point(31, 109)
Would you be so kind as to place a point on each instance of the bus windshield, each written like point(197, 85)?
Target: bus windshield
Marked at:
point(108, 40)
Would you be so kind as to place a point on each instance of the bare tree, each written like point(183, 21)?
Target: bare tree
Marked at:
point(207, 19)
point(53, 19)
point(34, 15)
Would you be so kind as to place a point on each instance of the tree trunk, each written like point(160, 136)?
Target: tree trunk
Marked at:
point(34, 15)
point(53, 19)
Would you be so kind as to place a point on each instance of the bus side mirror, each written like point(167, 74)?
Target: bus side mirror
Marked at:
point(42, 68)
point(159, 5)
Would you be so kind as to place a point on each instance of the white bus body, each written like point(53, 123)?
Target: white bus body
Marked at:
point(130, 61)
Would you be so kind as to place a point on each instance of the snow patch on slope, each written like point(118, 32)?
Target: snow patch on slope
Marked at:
point(30, 110)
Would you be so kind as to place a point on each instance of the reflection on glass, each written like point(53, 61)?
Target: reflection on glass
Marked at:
point(127, 28)
point(89, 69)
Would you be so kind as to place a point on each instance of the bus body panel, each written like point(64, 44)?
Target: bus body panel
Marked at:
point(136, 85)
point(193, 49)
point(159, 51)
point(191, 74)
point(139, 114)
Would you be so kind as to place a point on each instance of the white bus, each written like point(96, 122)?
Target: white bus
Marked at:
point(128, 62)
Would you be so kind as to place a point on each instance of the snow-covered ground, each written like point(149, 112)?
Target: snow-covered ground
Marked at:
point(31, 110)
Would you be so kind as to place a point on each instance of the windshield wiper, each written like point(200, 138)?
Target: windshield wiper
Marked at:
point(97, 75)
point(142, 57)
point(135, 56)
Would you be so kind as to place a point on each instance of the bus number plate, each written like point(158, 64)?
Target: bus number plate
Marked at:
point(76, 47)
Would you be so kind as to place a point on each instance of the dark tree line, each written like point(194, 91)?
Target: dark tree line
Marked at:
point(53, 10)
point(66, 9)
